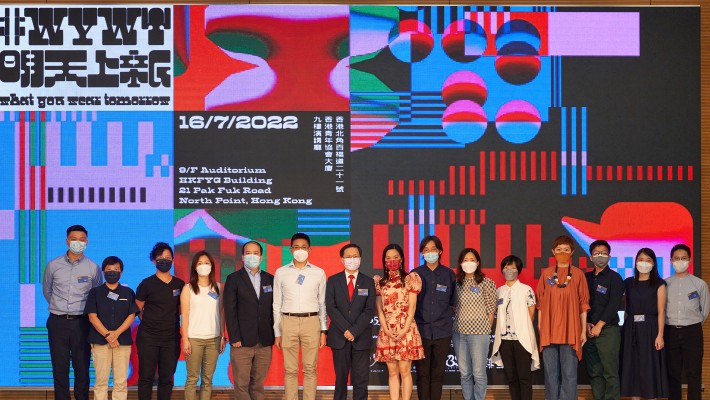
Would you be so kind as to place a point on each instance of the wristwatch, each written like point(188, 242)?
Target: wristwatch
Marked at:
point(324, 332)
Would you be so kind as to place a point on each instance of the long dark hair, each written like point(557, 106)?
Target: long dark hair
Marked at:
point(653, 278)
point(194, 276)
point(478, 275)
point(402, 272)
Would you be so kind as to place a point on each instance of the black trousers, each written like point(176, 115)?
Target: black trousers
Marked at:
point(69, 340)
point(356, 363)
point(160, 353)
point(516, 365)
point(684, 351)
point(430, 370)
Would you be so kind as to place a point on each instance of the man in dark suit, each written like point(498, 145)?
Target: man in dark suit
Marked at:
point(248, 313)
point(350, 303)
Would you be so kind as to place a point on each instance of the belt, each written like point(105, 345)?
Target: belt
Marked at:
point(684, 326)
point(301, 314)
point(68, 316)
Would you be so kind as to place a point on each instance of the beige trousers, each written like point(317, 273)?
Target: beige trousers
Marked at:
point(250, 365)
point(106, 359)
point(303, 333)
point(201, 363)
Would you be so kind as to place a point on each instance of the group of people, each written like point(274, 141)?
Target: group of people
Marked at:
point(420, 313)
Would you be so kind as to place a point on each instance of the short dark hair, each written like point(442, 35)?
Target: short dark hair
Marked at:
point(680, 246)
point(77, 228)
point(261, 248)
point(511, 259)
point(349, 246)
point(159, 248)
point(431, 238)
point(110, 260)
point(300, 235)
point(599, 242)
point(563, 239)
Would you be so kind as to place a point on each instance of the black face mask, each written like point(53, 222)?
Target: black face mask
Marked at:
point(163, 265)
point(112, 276)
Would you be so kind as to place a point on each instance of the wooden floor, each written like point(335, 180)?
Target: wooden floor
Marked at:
point(223, 393)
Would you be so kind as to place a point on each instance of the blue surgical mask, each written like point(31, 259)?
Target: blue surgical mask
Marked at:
point(251, 261)
point(431, 257)
point(77, 247)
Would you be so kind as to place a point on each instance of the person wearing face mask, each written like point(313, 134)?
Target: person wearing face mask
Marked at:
point(601, 352)
point(158, 337)
point(202, 324)
point(434, 316)
point(514, 346)
point(562, 304)
point(475, 304)
point(350, 303)
point(248, 313)
point(66, 285)
point(111, 309)
point(300, 320)
point(643, 365)
point(398, 342)
point(687, 308)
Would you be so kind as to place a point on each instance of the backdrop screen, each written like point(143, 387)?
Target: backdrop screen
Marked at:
point(497, 128)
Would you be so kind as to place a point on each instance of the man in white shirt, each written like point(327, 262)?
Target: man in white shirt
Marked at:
point(300, 317)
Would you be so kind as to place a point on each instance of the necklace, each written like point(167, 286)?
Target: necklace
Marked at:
point(569, 277)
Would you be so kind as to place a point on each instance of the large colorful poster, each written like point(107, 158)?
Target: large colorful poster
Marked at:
point(497, 128)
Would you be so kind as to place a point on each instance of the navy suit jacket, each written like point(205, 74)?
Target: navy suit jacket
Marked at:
point(249, 319)
point(345, 315)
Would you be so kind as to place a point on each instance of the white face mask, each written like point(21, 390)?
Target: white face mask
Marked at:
point(469, 267)
point(431, 257)
point(644, 267)
point(681, 266)
point(77, 247)
point(300, 255)
point(203, 269)
point(251, 261)
point(352, 264)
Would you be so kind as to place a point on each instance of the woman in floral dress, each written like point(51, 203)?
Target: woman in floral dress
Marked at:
point(398, 342)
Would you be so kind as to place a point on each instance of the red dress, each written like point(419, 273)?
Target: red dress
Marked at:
point(396, 309)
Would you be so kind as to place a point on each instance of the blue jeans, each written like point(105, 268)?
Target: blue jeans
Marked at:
point(560, 365)
point(472, 355)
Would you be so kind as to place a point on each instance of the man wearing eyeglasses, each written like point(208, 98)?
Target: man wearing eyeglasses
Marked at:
point(686, 309)
point(601, 352)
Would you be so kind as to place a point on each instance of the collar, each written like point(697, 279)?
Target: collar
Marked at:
point(292, 265)
point(258, 271)
point(66, 258)
point(602, 272)
point(347, 276)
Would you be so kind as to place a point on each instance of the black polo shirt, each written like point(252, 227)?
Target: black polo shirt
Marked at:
point(605, 294)
point(112, 307)
point(161, 312)
point(434, 314)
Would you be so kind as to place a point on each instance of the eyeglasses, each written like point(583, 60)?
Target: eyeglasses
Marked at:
point(682, 259)
point(599, 253)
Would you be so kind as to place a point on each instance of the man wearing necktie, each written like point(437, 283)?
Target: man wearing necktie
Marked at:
point(350, 304)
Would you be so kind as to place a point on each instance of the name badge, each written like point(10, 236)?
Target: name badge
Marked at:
point(113, 296)
point(82, 279)
point(601, 289)
point(693, 295)
point(176, 292)
point(440, 288)
point(499, 302)
point(213, 295)
point(362, 292)
point(476, 290)
point(300, 279)
point(267, 289)
point(550, 281)
point(639, 318)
